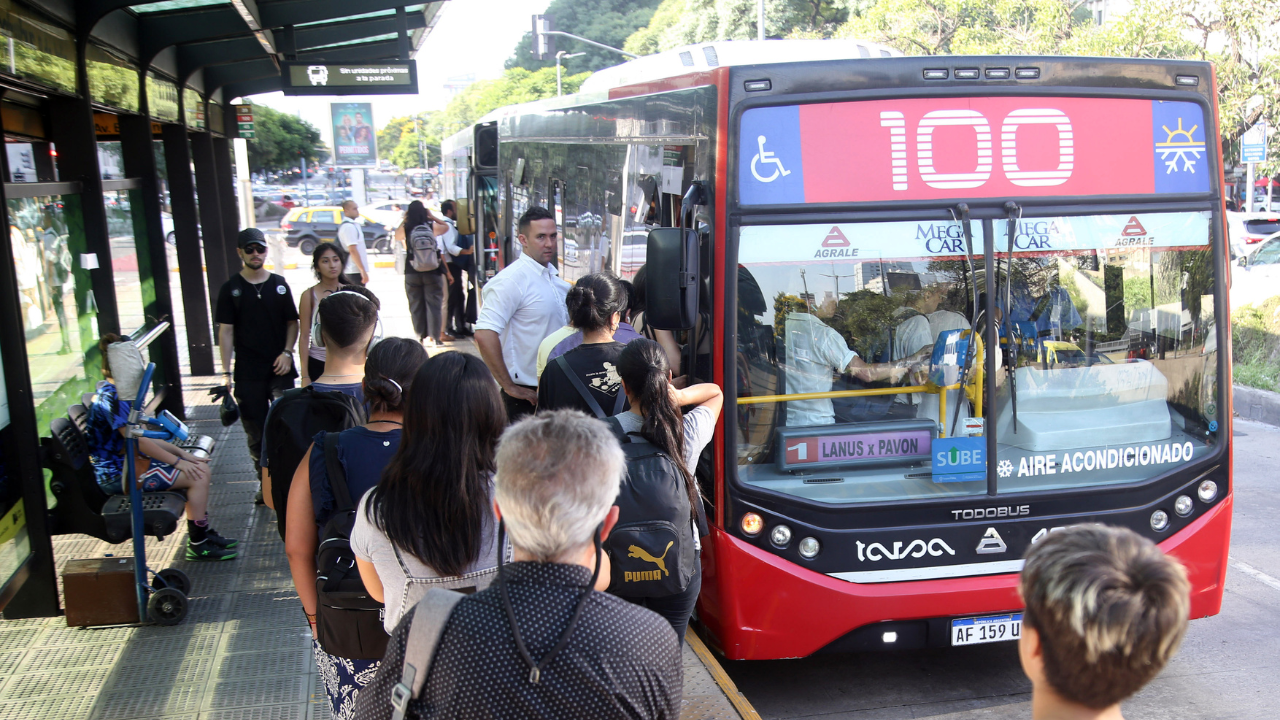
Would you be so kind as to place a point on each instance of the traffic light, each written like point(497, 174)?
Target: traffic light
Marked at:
point(544, 46)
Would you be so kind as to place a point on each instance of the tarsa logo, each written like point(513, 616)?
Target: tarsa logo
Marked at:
point(916, 549)
point(635, 551)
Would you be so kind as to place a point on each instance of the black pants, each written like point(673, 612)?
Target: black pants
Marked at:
point(517, 408)
point(254, 398)
point(678, 608)
point(426, 293)
point(456, 317)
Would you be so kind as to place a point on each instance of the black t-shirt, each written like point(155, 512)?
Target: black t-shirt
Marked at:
point(259, 314)
point(596, 365)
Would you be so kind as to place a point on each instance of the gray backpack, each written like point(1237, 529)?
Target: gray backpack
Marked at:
point(429, 618)
point(424, 254)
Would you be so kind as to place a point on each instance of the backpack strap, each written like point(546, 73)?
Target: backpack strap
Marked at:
point(580, 386)
point(429, 618)
point(337, 476)
point(619, 401)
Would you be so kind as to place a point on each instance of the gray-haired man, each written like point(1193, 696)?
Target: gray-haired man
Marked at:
point(558, 476)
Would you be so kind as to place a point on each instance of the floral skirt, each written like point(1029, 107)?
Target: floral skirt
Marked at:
point(343, 680)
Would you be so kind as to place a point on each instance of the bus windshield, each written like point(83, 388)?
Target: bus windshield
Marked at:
point(857, 360)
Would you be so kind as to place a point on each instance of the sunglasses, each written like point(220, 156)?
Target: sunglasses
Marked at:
point(255, 250)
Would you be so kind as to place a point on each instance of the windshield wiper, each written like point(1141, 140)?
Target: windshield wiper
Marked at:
point(1014, 211)
point(961, 214)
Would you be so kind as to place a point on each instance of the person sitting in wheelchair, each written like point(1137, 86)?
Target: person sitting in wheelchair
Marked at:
point(159, 465)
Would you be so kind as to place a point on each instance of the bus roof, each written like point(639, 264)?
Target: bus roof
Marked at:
point(707, 56)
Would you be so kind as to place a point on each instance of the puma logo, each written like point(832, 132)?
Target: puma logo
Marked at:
point(638, 552)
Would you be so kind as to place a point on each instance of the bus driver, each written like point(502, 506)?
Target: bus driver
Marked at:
point(814, 351)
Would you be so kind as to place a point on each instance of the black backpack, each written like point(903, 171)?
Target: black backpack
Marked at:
point(651, 549)
point(294, 421)
point(348, 620)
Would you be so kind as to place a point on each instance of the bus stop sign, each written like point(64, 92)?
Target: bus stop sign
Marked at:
point(1253, 144)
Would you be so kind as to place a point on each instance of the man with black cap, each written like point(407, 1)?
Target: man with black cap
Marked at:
point(258, 319)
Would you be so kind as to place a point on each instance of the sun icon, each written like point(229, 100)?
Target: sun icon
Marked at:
point(1191, 140)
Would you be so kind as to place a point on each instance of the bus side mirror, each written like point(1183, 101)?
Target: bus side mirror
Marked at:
point(671, 279)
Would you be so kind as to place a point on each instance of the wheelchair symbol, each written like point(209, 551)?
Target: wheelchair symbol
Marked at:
point(764, 156)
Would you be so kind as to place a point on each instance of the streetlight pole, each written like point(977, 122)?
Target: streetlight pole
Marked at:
point(559, 55)
point(760, 20)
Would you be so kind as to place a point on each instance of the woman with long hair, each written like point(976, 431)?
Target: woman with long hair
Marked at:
point(426, 290)
point(363, 452)
point(430, 522)
point(596, 304)
point(656, 415)
point(327, 262)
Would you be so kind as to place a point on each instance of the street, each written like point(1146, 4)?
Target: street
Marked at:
point(1226, 668)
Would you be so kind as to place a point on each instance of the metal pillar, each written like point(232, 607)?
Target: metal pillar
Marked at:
point(137, 149)
point(71, 125)
point(222, 159)
point(216, 261)
point(182, 199)
point(34, 587)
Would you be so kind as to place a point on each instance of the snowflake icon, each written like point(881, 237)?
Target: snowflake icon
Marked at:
point(1004, 469)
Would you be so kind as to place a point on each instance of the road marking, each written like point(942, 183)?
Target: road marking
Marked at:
point(736, 698)
point(1255, 573)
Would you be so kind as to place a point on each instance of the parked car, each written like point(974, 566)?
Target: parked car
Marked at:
point(306, 228)
point(389, 212)
point(1256, 276)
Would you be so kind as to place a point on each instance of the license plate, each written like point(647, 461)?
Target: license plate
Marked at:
point(975, 631)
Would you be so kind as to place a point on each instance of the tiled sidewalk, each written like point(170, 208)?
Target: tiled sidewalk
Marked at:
point(244, 650)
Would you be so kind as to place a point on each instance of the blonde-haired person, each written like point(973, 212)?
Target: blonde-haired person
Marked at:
point(1105, 612)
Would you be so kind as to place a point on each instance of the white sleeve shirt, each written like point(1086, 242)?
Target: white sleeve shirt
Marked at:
point(349, 233)
point(524, 304)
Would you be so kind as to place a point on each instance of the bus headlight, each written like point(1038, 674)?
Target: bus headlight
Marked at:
point(1207, 491)
point(1159, 520)
point(1183, 505)
point(809, 548)
point(752, 524)
point(781, 536)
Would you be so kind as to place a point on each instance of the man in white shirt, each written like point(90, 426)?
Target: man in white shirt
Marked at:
point(523, 304)
point(351, 236)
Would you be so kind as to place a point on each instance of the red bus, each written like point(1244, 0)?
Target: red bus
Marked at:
point(955, 304)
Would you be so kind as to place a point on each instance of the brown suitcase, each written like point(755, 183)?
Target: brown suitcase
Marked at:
point(100, 591)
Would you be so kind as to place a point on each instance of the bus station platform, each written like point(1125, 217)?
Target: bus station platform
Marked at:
point(244, 650)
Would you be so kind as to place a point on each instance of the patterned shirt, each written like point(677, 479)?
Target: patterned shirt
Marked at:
point(622, 660)
point(106, 416)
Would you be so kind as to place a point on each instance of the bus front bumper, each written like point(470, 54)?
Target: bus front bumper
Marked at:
point(759, 606)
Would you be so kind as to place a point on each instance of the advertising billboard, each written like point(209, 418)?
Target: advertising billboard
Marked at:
point(354, 142)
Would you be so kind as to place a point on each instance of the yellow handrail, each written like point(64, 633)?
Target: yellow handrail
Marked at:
point(867, 392)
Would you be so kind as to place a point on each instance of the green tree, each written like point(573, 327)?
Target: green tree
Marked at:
point(609, 22)
point(281, 140)
point(683, 22)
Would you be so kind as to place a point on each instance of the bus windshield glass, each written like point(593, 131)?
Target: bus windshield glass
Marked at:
point(857, 362)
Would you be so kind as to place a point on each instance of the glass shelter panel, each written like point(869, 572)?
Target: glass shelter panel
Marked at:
point(125, 260)
point(853, 360)
point(1113, 352)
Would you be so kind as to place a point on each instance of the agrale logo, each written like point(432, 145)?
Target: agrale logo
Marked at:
point(916, 549)
point(1134, 235)
point(635, 551)
point(836, 245)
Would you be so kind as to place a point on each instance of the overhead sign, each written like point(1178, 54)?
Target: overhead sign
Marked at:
point(1253, 144)
point(931, 240)
point(107, 125)
point(855, 444)
point(354, 142)
point(380, 78)
point(972, 147)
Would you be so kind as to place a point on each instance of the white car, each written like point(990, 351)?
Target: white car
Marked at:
point(389, 213)
point(1256, 276)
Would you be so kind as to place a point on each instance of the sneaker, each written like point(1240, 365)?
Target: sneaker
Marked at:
point(208, 551)
point(212, 536)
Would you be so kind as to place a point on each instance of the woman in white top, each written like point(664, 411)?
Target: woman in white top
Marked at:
point(429, 522)
point(327, 262)
point(655, 414)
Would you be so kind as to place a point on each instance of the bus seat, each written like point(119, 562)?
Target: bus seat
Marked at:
point(82, 505)
point(1100, 405)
